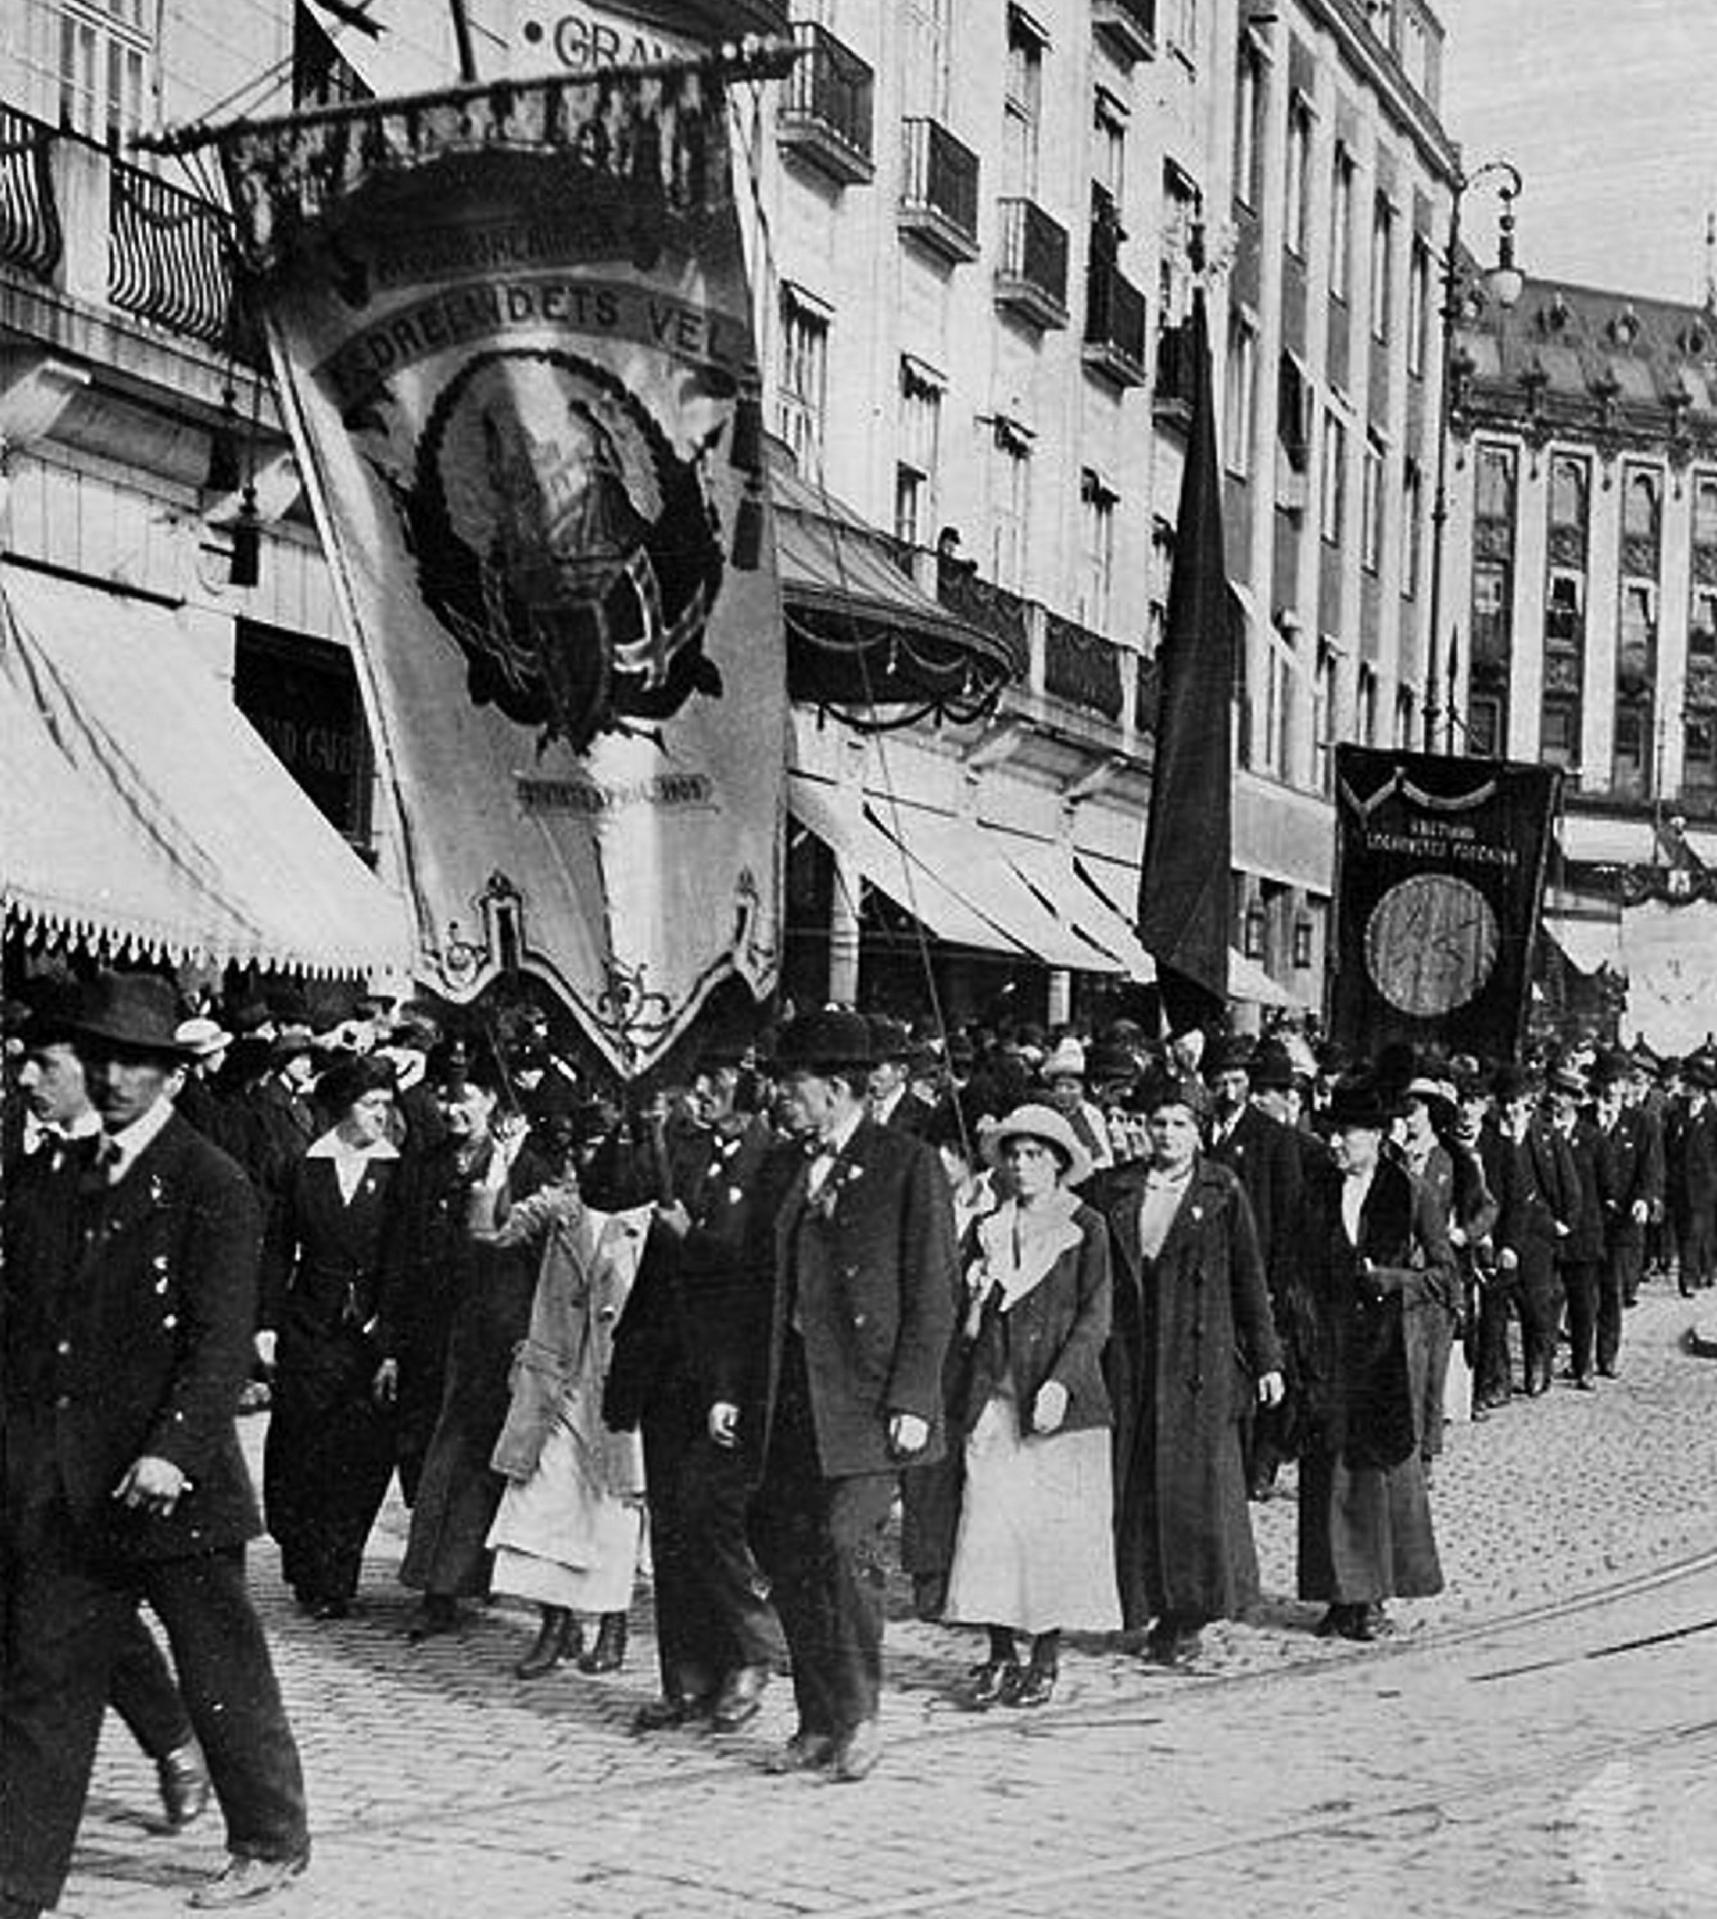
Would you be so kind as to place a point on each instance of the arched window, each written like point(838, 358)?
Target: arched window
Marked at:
point(1568, 493)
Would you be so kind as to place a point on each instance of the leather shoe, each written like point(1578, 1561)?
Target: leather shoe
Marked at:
point(436, 1615)
point(740, 1699)
point(1035, 1686)
point(184, 1782)
point(247, 1882)
point(804, 1752)
point(608, 1654)
point(856, 1756)
point(988, 1684)
point(670, 1710)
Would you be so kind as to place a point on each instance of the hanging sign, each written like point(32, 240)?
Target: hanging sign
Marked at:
point(512, 332)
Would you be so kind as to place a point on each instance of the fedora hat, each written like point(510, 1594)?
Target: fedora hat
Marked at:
point(1232, 1053)
point(1568, 1079)
point(1271, 1067)
point(135, 1011)
point(202, 1037)
point(1045, 1124)
point(832, 1039)
point(1165, 1085)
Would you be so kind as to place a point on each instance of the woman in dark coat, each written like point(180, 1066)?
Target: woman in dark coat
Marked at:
point(1193, 1346)
point(441, 1275)
point(330, 1449)
point(1376, 1246)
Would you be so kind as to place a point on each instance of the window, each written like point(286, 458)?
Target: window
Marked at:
point(1491, 596)
point(1097, 506)
point(1563, 604)
point(1183, 26)
point(925, 66)
point(1559, 730)
point(1493, 484)
point(1276, 745)
point(1629, 776)
point(920, 448)
point(1406, 718)
point(1568, 483)
point(1365, 719)
point(1418, 305)
point(1010, 505)
point(1174, 271)
point(1238, 395)
point(1412, 527)
point(1333, 494)
point(1705, 510)
point(1109, 149)
point(1382, 266)
point(1484, 725)
point(1248, 111)
point(1699, 753)
point(1371, 506)
point(1324, 719)
point(1639, 618)
point(1022, 104)
point(1341, 223)
point(804, 375)
point(1702, 628)
point(1299, 174)
point(1640, 502)
point(94, 64)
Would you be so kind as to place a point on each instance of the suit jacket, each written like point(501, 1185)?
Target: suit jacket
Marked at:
point(322, 1254)
point(1266, 1158)
point(866, 1269)
point(1630, 1171)
point(1690, 1151)
point(1540, 1186)
point(140, 1345)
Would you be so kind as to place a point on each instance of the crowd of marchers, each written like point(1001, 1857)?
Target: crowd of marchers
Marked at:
point(1067, 1307)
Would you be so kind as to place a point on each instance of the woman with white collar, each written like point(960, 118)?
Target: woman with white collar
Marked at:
point(1035, 1549)
point(330, 1448)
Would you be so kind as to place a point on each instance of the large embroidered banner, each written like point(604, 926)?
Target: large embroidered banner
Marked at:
point(512, 331)
point(1440, 884)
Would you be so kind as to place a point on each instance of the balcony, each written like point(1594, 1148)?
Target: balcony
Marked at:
point(826, 107)
point(939, 191)
point(169, 257)
point(30, 236)
point(1128, 28)
point(1031, 280)
point(1114, 327)
point(1173, 391)
point(1083, 668)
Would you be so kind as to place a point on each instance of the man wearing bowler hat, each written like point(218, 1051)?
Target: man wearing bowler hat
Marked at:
point(123, 1477)
point(862, 1314)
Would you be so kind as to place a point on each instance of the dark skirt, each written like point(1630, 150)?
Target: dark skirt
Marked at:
point(327, 1459)
point(1365, 1532)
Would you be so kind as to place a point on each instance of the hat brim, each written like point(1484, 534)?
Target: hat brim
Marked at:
point(1060, 1138)
point(117, 1033)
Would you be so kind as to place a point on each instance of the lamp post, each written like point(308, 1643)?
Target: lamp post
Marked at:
point(1506, 282)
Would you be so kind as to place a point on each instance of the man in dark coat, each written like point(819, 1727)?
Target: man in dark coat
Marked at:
point(1539, 1199)
point(852, 1388)
point(1630, 1194)
point(1580, 1257)
point(1265, 1155)
point(123, 1475)
point(1690, 1155)
point(1193, 1349)
point(889, 1088)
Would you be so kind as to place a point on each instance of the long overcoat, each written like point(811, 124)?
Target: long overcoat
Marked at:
point(1192, 1336)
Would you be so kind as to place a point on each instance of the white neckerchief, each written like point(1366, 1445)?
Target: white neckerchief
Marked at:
point(830, 1149)
point(1018, 1245)
point(350, 1162)
point(125, 1146)
point(1354, 1188)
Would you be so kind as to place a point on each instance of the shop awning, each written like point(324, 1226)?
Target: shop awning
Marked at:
point(1587, 944)
point(1053, 873)
point(849, 832)
point(1594, 840)
point(861, 632)
point(1247, 980)
point(140, 812)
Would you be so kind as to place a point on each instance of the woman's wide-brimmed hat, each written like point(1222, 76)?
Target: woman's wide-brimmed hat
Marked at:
point(134, 1011)
point(1042, 1123)
point(1359, 1101)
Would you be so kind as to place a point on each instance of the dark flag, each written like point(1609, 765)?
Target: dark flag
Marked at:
point(1184, 884)
point(1439, 888)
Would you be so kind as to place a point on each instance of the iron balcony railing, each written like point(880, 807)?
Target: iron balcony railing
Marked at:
point(939, 192)
point(1115, 325)
point(30, 235)
point(169, 256)
point(828, 111)
point(1031, 278)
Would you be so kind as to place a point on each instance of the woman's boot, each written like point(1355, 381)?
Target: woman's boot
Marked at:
point(557, 1639)
point(609, 1652)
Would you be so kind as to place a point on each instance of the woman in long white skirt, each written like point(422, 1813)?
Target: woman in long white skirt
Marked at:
point(1035, 1550)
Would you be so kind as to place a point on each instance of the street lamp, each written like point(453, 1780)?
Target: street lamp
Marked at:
point(1505, 282)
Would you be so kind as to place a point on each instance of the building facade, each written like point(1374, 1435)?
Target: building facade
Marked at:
point(971, 227)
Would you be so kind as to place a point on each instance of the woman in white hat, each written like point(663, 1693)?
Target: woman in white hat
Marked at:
point(1035, 1550)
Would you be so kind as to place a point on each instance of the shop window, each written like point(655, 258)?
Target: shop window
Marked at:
point(301, 695)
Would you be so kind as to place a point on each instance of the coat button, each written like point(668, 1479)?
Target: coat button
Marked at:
point(64, 1400)
point(63, 1348)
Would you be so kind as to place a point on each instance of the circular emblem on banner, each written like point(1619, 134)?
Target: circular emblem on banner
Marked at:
point(564, 545)
point(1431, 944)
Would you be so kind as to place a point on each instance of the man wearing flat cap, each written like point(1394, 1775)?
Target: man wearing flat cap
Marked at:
point(123, 1476)
point(851, 1387)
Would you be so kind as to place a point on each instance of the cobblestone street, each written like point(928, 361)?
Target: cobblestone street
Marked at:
point(1509, 1751)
